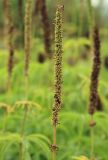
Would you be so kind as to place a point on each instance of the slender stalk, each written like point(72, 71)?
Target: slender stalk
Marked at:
point(81, 17)
point(22, 150)
point(54, 141)
point(91, 13)
point(27, 41)
point(91, 18)
point(92, 124)
point(5, 121)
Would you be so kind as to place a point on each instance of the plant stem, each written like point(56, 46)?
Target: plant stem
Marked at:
point(27, 44)
point(24, 121)
point(54, 142)
point(5, 122)
point(22, 133)
point(92, 124)
point(92, 143)
point(82, 10)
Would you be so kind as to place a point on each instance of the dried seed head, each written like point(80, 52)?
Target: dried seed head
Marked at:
point(58, 64)
point(27, 35)
point(40, 7)
point(37, 7)
point(46, 28)
point(95, 72)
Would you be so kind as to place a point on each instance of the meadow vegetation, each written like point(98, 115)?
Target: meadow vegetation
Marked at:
point(53, 81)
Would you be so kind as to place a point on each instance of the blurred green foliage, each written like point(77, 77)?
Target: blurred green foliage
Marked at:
point(73, 136)
point(73, 132)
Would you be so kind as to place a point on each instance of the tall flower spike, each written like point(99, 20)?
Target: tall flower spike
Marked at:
point(58, 63)
point(93, 102)
point(57, 75)
point(9, 38)
point(36, 8)
point(95, 71)
point(46, 28)
point(27, 35)
point(40, 7)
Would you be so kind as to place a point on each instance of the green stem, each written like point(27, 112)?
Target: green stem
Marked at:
point(27, 43)
point(54, 142)
point(92, 124)
point(81, 18)
point(5, 121)
point(92, 143)
point(22, 133)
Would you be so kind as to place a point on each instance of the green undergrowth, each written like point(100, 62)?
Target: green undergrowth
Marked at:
point(73, 135)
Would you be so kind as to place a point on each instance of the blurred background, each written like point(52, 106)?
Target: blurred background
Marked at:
point(73, 135)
